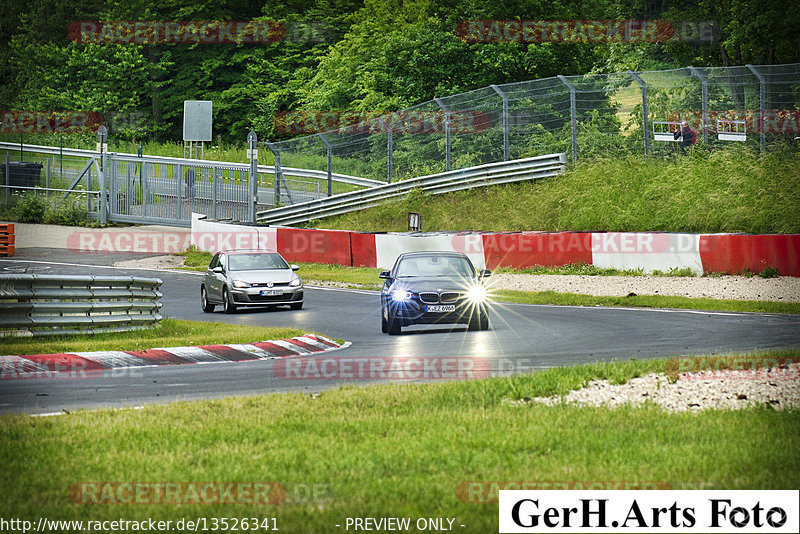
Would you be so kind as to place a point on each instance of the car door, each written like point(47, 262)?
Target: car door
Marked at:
point(215, 280)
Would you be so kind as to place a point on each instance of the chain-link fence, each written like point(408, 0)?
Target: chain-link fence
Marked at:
point(593, 115)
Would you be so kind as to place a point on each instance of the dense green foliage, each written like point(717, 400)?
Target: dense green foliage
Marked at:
point(725, 191)
point(353, 55)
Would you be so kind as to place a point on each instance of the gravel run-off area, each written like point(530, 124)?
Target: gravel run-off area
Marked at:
point(783, 288)
point(778, 388)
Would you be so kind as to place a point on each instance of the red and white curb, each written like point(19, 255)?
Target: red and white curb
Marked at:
point(41, 365)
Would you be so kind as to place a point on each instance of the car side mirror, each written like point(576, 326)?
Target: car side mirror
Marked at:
point(294, 267)
point(385, 275)
point(217, 269)
point(486, 273)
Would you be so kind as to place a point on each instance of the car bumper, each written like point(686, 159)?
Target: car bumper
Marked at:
point(413, 312)
point(253, 297)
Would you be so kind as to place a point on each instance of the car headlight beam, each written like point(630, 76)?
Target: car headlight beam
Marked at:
point(295, 282)
point(240, 284)
point(400, 295)
point(477, 294)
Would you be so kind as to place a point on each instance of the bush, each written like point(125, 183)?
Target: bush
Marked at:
point(30, 208)
point(68, 213)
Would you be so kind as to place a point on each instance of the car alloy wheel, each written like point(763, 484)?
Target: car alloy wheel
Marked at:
point(227, 301)
point(207, 306)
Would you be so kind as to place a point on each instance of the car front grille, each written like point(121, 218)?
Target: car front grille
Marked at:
point(449, 297)
point(429, 297)
point(269, 298)
point(266, 284)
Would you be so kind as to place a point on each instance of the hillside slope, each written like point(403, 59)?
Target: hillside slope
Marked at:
point(732, 191)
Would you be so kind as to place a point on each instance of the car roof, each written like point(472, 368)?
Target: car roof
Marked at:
point(433, 253)
point(247, 251)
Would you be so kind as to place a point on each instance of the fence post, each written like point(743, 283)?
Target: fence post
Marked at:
point(506, 147)
point(446, 133)
point(330, 158)
point(252, 155)
point(762, 98)
point(179, 192)
point(389, 151)
point(645, 114)
point(704, 88)
point(47, 179)
point(102, 147)
point(573, 116)
point(277, 153)
point(8, 179)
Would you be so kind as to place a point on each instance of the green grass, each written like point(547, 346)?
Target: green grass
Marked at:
point(644, 301)
point(736, 190)
point(395, 450)
point(171, 333)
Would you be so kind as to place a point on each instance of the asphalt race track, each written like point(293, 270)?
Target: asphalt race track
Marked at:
point(521, 338)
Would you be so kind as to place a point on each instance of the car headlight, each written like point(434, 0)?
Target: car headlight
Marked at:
point(477, 294)
point(239, 283)
point(296, 282)
point(400, 295)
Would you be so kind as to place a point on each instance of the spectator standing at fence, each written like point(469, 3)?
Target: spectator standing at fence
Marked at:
point(689, 136)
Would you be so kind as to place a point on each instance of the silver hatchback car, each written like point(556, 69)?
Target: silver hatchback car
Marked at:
point(246, 278)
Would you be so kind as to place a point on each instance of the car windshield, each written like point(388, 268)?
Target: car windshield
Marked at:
point(256, 262)
point(427, 266)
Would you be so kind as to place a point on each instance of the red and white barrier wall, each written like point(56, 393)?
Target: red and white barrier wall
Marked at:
point(727, 253)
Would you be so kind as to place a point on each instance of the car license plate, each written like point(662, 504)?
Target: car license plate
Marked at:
point(440, 308)
point(271, 292)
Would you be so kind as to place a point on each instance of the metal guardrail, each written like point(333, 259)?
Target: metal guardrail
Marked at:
point(446, 182)
point(267, 169)
point(48, 304)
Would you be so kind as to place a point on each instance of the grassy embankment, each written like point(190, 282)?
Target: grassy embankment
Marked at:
point(397, 450)
point(735, 190)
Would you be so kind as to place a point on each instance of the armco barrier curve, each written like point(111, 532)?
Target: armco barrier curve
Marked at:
point(46, 304)
point(434, 184)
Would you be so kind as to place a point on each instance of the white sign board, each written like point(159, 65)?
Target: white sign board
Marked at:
point(197, 120)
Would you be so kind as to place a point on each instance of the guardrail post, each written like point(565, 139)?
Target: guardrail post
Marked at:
point(8, 179)
point(179, 192)
point(102, 147)
point(101, 182)
point(252, 155)
point(389, 151)
point(645, 115)
point(89, 188)
point(446, 133)
point(277, 153)
point(506, 147)
point(330, 158)
point(214, 192)
point(762, 98)
point(573, 116)
point(704, 102)
point(47, 179)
